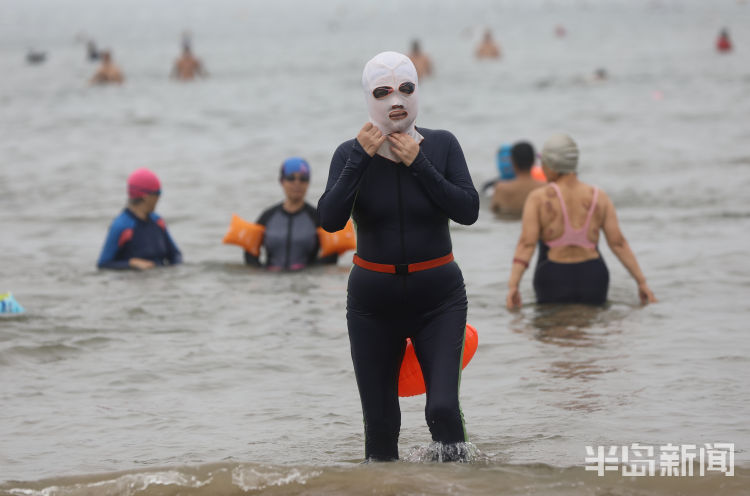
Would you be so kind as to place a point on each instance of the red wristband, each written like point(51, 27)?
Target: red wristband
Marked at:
point(522, 262)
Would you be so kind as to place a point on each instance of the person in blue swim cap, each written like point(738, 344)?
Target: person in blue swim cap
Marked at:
point(290, 240)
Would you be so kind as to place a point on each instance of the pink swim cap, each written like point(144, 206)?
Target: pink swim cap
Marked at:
point(143, 182)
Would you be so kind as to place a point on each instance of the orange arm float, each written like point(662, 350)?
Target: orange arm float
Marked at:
point(337, 242)
point(411, 380)
point(245, 234)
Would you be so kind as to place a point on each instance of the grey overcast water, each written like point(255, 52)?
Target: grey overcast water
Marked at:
point(212, 378)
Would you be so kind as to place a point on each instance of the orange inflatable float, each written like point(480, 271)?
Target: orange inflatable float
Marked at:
point(410, 379)
point(538, 174)
point(337, 242)
point(250, 236)
point(245, 234)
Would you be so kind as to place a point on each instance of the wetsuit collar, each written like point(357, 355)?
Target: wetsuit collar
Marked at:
point(385, 148)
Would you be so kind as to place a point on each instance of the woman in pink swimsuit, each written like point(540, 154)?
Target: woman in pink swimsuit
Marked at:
point(565, 218)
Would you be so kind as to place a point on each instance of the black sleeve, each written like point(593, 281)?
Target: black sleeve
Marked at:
point(348, 164)
point(454, 192)
point(174, 255)
point(251, 259)
point(329, 259)
point(312, 213)
point(266, 214)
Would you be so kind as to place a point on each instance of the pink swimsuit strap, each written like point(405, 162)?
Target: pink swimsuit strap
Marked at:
point(570, 236)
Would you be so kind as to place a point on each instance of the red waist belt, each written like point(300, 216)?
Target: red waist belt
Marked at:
point(403, 268)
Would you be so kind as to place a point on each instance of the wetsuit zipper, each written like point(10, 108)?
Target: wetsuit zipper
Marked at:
point(400, 216)
point(400, 203)
point(288, 240)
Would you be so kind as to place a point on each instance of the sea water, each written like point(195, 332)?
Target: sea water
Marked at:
point(214, 378)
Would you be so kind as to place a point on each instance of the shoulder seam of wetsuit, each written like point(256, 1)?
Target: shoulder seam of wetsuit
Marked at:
point(312, 212)
point(267, 213)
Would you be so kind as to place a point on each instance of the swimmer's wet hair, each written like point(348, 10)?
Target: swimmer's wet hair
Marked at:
point(523, 156)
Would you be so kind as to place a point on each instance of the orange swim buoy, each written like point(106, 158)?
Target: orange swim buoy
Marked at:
point(245, 234)
point(337, 242)
point(411, 380)
point(538, 174)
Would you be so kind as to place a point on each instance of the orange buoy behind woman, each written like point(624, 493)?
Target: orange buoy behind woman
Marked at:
point(411, 380)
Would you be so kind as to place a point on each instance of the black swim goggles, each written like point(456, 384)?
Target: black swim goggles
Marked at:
point(383, 91)
point(304, 178)
point(145, 191)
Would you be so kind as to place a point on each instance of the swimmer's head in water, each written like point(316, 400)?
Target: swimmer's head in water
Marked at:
point(294, 167)
point(143, 182)
point(391, 91)
point(560, 153)
point(295, 178)
point(523, 156)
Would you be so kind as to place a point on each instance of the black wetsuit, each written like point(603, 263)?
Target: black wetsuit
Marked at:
point(290, 239)
point(582, 282)
point(401, 215)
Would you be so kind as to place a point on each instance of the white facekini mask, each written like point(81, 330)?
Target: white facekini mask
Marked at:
point(397, 110)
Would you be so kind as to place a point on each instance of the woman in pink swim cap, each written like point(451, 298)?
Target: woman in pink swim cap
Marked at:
point(138, 237)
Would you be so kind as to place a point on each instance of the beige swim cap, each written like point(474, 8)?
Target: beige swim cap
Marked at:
point(560, 153)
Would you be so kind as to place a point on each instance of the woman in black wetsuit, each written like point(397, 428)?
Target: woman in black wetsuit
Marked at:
point(402, 185)
point(290, 240)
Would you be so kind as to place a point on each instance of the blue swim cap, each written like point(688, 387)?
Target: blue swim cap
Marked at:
point(504, 164)
point(293, 165)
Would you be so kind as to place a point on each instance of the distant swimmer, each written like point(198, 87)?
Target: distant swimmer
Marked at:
point(187, 67)
point(290, 239)
point(91, 51)
point(402, 186)
point(35, 57)
point(723, 43)
point(108, 72)
point(509, 196)
point(488, 48)
point(560, 31)
point(420, 60)
point(138, 237)
point(600, 74)
point(570, 268)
